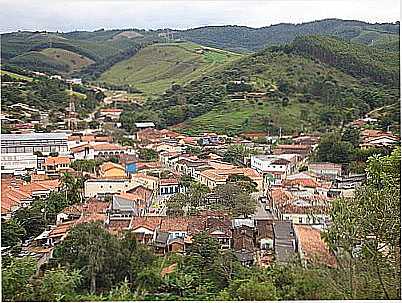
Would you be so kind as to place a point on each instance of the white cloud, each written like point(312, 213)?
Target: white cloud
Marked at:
point(67, 15)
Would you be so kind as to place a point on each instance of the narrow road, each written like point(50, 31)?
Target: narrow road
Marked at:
point(261, 213)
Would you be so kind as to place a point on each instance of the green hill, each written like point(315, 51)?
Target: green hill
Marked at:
point(73, 60)
point(102, 49)
point(392, 45)
point(353, 58)
point(154, 68)
point(246, 39)
point(108, 47)
point(302, 93)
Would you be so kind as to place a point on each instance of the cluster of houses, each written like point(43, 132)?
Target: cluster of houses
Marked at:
point(129, 194)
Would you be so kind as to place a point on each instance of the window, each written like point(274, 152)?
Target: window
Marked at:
point(300, 220)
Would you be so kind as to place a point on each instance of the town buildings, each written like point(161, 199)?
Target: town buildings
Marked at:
point(275, 168)
point(44, 143)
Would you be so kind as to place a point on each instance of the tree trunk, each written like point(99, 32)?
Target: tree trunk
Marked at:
point(93, 283)
point(352, 292)
point(380, 277)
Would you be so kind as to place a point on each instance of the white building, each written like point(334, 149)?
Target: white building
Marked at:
point(74, 81)
point(112, 113)
point(18, 163)
point(106, 186)
point(275, 168)
point(44, 143)
point(94, 150)
point(326, 169)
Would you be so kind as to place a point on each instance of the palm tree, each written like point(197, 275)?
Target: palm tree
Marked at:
point(72, 187)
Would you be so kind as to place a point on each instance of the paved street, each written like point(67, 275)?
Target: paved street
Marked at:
point(261, 213)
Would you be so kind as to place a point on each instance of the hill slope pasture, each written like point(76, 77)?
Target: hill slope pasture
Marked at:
point(154, 68)
point(301, 87)
point(73, 60)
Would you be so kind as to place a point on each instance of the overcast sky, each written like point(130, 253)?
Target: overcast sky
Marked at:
point(68, 15)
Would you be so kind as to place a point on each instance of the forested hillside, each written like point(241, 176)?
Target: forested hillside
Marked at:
point(33, 50)
point(30, 50)
point(352, 58)
point(242, 38)
point(300, 93)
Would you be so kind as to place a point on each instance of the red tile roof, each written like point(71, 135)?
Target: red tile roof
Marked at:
point(313, 247)
point(88, 138)
point(302, 182)
point(150, 222)
point(175, 224)
point(57, 160)
point(168, 182)
point(148, 165)
point(108, 146)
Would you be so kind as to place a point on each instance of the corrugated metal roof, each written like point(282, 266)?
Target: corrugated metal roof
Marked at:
point(34, 136)
point(144, 124)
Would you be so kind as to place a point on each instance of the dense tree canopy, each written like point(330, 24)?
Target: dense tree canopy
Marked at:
point(365, 232)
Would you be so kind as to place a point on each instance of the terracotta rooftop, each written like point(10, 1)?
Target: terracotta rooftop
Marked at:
point(372, 133)
point(313, 247)
point(62, 229)
point(223, 174)
point(92, 217)
point(110, 165)
point(43, 185)
point(168, 182)
point(108, 146)
point(169, 133)
point(302, 182)
point(131, 197)
point(88, 138)
point(150, 223)
point(175, 224)
point(80, 148)
point(103, 139)
point(293, 146)
point(221, 165)
point(289, 204)
point(57, 160)
point(148, 165)
point(144, 176)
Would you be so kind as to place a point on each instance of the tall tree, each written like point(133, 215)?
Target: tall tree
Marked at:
point(16, 276)
point(91, 248)
point(72, 186)
point(332, 149)
point(352, 135)
point(12, 233)
point(365, 232)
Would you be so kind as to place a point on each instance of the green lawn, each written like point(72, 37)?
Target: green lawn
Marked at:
point(156, 67)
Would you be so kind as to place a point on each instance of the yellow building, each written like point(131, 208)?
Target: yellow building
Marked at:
point(111, 170)
point(214, 177)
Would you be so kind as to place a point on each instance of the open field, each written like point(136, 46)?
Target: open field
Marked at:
point(73, 60)
point(156, 67)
